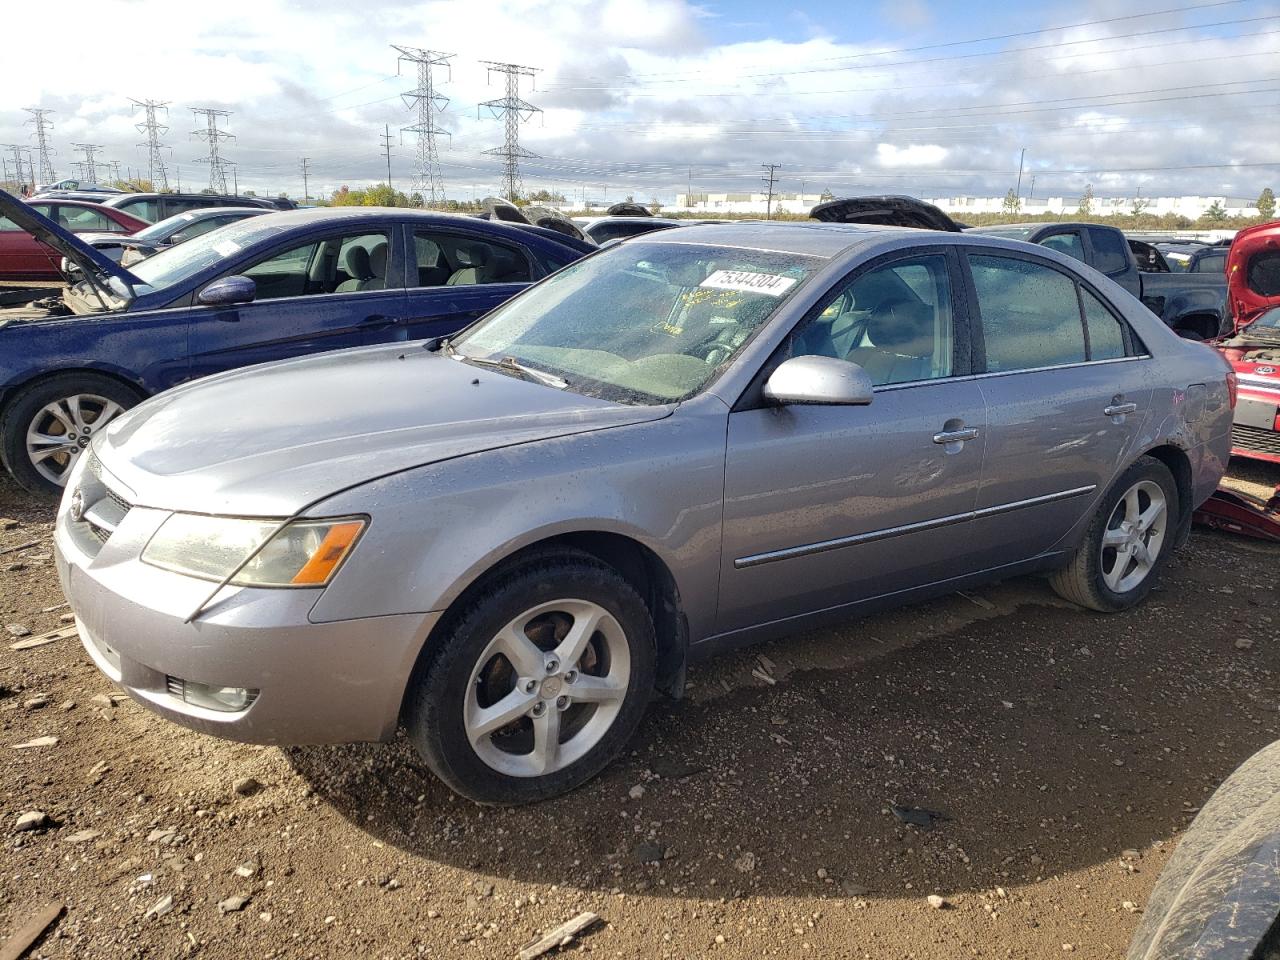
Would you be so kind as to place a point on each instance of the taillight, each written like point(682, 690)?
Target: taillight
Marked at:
point(1232, 388)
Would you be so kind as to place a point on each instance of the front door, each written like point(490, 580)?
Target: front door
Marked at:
point(1067, 390)
point(830, 505)
point(325, 294)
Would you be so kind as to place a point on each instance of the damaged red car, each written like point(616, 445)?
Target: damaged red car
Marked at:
point(1253, 278)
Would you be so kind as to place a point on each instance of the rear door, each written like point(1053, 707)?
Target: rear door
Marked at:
point(1067, 389)
point(308, 301)
point(22, 255)
point(825, 506)
point(454, 277)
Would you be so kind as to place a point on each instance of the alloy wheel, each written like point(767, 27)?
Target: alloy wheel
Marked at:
point(547, 688)
point(1134, 536)
point(61, 430)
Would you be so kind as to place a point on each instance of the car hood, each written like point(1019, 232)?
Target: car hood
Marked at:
point(884, 211)
point(89, 260)
point(273, 439)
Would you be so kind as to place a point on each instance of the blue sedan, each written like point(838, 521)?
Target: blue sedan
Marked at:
point(266, 288)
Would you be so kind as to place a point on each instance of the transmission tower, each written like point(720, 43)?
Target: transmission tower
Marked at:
point(513, 110)
point(213, 136)
point(426, 162)
point(43, 127)
point(154, 130)
point(89, 165)
point(18, 150)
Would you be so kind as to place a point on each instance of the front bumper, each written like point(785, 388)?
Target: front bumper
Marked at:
point(1255, 434)
point(332, 682)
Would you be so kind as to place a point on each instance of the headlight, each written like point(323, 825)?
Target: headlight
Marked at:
point(305, 553)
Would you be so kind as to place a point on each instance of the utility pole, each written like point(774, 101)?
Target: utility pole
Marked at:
point(39, 119)
point(513, 110)
point(213, 136)
point(769, 180)
point(1031, 192)
point(235, 176)
point(426, 162)
point(306, 170)
point(115, 169)
point(154, 130)
point(1018, 192)
point(386, 148)
point(90, 165)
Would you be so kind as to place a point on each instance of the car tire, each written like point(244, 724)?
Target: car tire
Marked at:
point(503, 647)
point(71, 405)
point(1119, 559)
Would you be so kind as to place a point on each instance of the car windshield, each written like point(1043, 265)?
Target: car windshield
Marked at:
point(173, 265)
point(1267, 325)
point(643, 322)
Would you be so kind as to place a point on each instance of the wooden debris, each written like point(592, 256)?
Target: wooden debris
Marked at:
point(561, 936)
point(62, 633)
point(761, 675)
point(37, 742)
point(979, 601)
point(25, 938)
point(21, 546)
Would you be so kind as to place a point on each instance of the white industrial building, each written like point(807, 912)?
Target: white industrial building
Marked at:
point(754, 203)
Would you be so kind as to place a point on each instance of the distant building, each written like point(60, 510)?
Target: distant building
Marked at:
point(754, 203)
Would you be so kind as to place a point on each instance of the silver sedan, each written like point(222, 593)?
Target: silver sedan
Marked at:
point(505, 543)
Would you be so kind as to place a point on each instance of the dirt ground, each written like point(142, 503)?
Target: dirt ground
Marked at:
point(1067, 751)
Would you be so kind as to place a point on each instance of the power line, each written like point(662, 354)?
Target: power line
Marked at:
point(426, 164)
point(43, 125)
point(513, 110)
point(213, 136)
point(154, 130)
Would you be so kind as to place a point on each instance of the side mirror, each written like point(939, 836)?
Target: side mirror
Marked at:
point(228, 291)
point(821, 380)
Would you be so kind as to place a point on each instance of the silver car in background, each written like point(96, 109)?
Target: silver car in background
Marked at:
point(691, 441)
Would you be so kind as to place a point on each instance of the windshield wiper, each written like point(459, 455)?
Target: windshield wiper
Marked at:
point(512, 364)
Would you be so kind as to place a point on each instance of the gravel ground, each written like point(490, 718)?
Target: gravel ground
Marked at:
point(1065, 750)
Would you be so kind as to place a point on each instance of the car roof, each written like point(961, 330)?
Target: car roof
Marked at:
point(802, 237)
point(68, 202)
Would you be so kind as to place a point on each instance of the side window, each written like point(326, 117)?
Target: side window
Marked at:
point(1109, 252)
point(197, 228)
point(79, 219)
point(1213, 263)
point(344, 264)
point(1106, 335)
point(1030, 315)
point(7, 225)
point(1264, 273)
point(148, 210)
point(173, 206)
point(1068, 243)
point(445, 259)
point(894, 321)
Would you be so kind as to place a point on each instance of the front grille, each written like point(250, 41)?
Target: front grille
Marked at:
point(1256, 440)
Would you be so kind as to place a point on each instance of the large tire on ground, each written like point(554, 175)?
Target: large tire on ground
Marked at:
point(47, 426)
point(537, 683)
point(1127, 543)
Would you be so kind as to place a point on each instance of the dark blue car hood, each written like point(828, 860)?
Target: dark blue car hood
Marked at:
point(90, 261)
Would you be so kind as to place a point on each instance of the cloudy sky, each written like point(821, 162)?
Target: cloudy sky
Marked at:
point(643, 97)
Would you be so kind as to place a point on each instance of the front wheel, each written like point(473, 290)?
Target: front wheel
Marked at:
point(538, 684)
point(1116, 564)
point(48, 426)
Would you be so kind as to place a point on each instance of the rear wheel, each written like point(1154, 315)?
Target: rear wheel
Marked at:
point(1116, 564)
point(537, 684)
point(48, 425)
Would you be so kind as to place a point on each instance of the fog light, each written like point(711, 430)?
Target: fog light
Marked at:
point(224, 699)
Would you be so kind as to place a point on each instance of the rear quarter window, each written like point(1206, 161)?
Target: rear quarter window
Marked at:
point(1110, 252)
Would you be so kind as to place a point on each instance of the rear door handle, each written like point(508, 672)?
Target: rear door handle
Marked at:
point(1119, 409)
point(956, 436)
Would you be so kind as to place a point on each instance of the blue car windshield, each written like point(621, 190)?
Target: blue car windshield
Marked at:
point(644, 322)
point(175, 265)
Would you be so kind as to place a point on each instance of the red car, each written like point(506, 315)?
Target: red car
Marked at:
point(23, 257)
point(1253, 291)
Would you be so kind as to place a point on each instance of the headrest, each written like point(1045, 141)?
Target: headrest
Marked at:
point(897, 322)
point(378, 259)
point(357, 261)
point(477, 254)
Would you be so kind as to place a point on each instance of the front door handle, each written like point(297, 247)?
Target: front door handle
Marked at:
point(1119, 409)
point(956, 436)
point(376, 321)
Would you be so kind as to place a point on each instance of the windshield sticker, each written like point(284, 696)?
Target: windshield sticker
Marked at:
point(226, 248)
point(770, 284)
